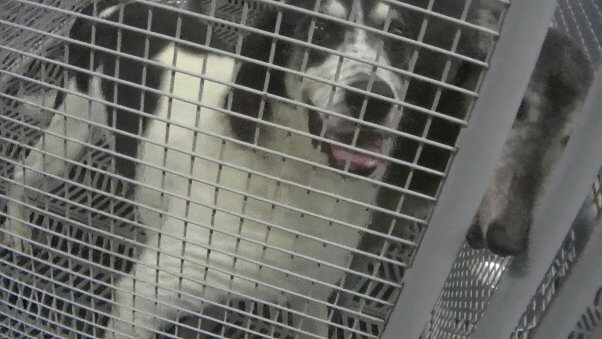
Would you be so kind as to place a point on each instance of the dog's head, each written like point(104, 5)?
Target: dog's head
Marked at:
point(356, 75)
point(350, 70)
point(543, 124)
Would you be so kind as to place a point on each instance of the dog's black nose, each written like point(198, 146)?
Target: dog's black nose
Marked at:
point(475, 237)
point(376, 109)
point(501, 242)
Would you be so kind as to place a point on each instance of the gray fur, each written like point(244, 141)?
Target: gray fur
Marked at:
point(553, 99)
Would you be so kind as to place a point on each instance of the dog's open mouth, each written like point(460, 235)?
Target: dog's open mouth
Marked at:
point(359, 162)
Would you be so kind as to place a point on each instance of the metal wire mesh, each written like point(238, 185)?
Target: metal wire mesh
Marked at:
point(87, 230)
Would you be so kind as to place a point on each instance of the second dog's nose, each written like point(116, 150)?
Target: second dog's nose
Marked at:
point(475, 236)
point(376, 109)
point(504, 243)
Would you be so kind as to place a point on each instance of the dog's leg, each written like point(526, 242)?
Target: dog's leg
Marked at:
point(313, 309)
point(32, 174)
point(161, 287)
point(318, 327)
point(45, 159)
point(142, 297)
point(164, 287)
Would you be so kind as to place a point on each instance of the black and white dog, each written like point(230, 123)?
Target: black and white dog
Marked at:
point(267, 202)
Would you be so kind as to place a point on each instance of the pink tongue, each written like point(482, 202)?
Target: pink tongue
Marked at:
point(358, 161)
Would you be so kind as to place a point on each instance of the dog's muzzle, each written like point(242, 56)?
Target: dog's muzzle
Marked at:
point(367, 108)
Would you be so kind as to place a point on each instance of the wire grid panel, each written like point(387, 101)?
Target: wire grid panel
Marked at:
point(475, 274)
point(100, 230)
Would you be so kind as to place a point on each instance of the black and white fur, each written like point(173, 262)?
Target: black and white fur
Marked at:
point(211, 212)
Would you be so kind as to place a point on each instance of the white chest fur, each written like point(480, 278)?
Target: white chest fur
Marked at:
point(246, 214)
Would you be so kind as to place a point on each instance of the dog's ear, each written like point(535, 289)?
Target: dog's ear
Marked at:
point(565, 70)
point(253, 75)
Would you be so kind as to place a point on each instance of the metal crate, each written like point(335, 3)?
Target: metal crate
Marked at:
point(88, 230)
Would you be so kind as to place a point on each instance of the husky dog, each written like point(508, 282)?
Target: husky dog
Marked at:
point(266, 202)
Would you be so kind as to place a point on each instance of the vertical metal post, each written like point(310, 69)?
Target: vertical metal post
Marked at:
point(568, 187)
point(522, 36)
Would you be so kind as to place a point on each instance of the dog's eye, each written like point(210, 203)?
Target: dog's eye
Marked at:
point(522, 110)
point(322, 31)
point(396, 28)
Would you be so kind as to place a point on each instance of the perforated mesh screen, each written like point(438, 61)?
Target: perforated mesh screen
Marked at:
point(560, 268)
point(581, 20)
point(246, 220)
